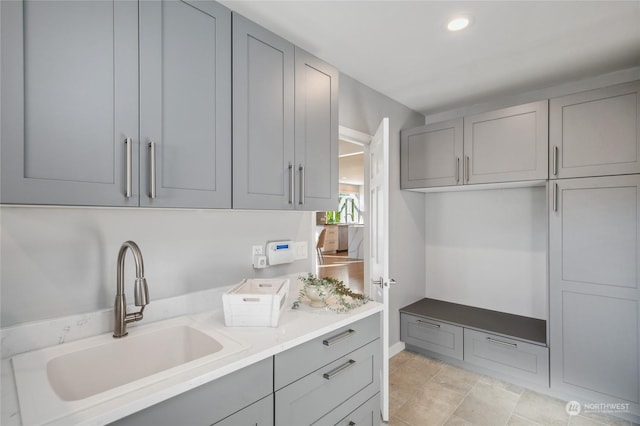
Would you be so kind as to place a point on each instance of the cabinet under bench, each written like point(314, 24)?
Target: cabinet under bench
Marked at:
point(511, 345)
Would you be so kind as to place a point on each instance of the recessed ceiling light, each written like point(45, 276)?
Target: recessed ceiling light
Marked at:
point(459, 23)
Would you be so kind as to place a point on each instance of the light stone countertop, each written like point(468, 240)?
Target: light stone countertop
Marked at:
point(295, 327)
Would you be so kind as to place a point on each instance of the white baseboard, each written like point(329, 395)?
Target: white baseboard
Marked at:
point(396, 349)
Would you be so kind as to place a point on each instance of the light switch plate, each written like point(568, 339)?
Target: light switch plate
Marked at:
point(301, 251)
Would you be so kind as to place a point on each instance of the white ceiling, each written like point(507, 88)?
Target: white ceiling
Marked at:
point(401, 48)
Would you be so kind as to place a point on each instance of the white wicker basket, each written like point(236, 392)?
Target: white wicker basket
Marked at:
point(255, 302)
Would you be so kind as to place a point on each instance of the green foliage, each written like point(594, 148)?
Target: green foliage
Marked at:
point(344, 297)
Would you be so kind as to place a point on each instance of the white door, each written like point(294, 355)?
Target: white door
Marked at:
point(379, 245)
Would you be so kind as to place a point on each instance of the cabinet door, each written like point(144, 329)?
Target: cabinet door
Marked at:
point(214, 401)
point(596, 133)
point(594, 292)
point(368, 414)
point(69, 102)
point(257, 414)
point(431, 155)
point(506, 145)
point(316, 124)
point(263, 114)
point(185, 104)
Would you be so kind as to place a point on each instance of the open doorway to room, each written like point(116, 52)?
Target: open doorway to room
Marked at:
point(341, 253)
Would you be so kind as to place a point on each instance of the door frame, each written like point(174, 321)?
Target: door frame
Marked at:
point(363, 139)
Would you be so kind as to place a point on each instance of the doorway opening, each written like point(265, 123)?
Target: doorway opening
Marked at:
point(343, 252)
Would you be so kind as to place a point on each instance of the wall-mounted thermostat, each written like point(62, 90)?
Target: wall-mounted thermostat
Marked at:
point(280, 252)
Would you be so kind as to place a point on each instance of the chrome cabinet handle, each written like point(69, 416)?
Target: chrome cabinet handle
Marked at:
point(128, 190)
point(555, 197)
point(458, 170)
point(291, 183)
point(301, 170)
point(466, 169)
point(331, 374)
point(555, 161)
point(500, 342)
point(429, 324)
point(152, 169)
point(335, 339)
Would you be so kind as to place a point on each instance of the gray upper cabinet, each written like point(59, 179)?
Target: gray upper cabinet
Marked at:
point(90, 87)
point(506, 145)
point(509, 144)
point(263, 118)
point(595, 133)
point(69, 102)
point(285, 124)
point(431, 155)
point(316, 133)
point(185, 104)
point(594, 263)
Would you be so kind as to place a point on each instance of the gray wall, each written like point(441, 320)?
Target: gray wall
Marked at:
point(362, 109)
point(58, 261)
point(488, 249)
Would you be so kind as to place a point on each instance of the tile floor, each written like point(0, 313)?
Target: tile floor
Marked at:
point(425, 392)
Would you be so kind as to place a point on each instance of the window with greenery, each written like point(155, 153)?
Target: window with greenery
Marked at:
point(348, 209)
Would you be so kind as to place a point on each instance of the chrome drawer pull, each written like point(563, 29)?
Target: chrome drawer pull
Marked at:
point(291, 183)
point(429, 324)
point(302, 182)
point(128, 186)
point(331, 374)
point(152, 170)
point(335, 339)
point(500, 342)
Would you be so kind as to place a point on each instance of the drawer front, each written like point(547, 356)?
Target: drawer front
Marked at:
point(434, 336)
point(332, 392)
point(508, 356)
point(210, 402)
point(308, 357)
point(368, 414)
point(257, 414)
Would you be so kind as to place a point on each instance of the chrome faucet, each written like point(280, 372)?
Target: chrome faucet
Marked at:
point(140, 292)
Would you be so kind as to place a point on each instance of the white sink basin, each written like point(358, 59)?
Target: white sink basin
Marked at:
point(78, 375)
point(58, 381)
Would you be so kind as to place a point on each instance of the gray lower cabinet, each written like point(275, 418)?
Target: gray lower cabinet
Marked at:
point(116, 103)
point(224, 400)
point(69, 102)
point(185, 104)
point(332, 379)
point(510, 345)
point(509, 144)
point(285, 124)
point(368, 414)
point(257, 414)
point(432, 335)
point(594, 297)
point(595, 133)
point(509, 356)
point(327, 395)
